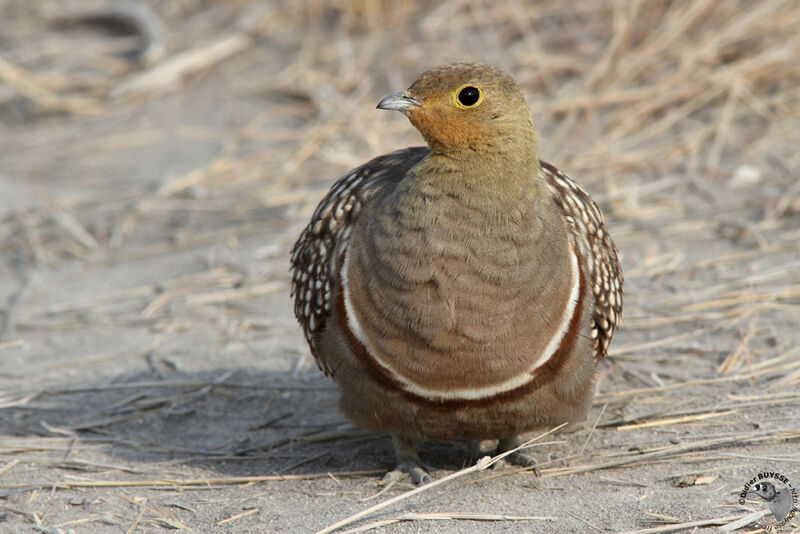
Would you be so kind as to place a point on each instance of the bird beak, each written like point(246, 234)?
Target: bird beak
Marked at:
point(399, 101)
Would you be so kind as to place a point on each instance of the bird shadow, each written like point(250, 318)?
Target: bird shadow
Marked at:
point(235, 422)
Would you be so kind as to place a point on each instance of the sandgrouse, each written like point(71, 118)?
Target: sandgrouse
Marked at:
point(461, 290)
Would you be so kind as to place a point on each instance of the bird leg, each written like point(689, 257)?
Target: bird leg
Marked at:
point(520, 458)
point(407, 461)
point(480, 448)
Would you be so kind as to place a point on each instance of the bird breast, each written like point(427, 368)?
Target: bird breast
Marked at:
point(446, 296)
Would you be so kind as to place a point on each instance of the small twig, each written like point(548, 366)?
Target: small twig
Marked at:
point(672, 451)
point(725, 521)
point(446, 516)
point(33, 88)
point(594, 426)
point(246, 513)
point(169, 73)
point(481, 464)
point(381, 492)
point(587, 523)
point(10, 465)
point(178, 483)
point(677, 420)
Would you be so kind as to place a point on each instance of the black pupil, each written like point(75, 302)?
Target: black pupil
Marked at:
point(468, 96)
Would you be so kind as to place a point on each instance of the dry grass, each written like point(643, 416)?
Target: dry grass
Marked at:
point(682, 119)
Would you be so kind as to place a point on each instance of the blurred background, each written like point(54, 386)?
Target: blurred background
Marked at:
point(158, 159)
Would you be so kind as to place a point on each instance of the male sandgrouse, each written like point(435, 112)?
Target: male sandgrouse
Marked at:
point(459, 290)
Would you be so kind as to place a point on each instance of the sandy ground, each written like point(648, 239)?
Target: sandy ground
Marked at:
point(152, 376)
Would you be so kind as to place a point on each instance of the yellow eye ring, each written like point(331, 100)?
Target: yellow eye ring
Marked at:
point(467, 96)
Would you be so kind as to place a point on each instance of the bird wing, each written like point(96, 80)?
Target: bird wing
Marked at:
point(317, 253)
point(597, 250)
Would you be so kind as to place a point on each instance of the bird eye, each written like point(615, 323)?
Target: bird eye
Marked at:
point(468, 96)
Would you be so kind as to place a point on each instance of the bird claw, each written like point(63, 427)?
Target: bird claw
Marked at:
point(411, 468)
point(523, 459)
point(520, 457)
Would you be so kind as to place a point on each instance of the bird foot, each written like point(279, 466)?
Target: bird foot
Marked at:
point(413, 469)
point(524, 460)
point(407, 462)
point(520, 458)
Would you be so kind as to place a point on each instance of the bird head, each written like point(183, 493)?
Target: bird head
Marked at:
point(765, 490)
point(468, 109)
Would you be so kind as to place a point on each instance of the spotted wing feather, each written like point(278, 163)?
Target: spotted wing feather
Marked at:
point(317, 253)
point(597, 250)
